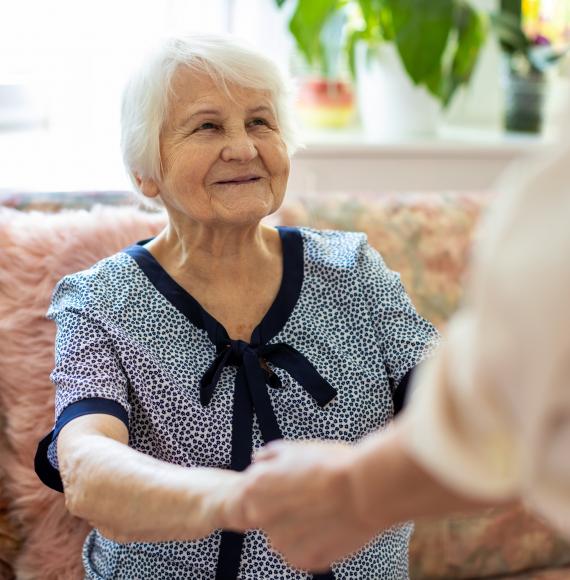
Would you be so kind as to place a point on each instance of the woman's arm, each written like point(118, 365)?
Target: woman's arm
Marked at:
point(129, 496)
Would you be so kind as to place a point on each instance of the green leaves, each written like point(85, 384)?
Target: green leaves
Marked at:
point(509, 32)
point(354, 38)
point(524, 57)
point(513, 7)
point(306, 25)
point(422, 29)
point(438, 40)
point(471, 32)
point(378, 19)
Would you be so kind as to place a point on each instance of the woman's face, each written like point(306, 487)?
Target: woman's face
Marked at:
point(223, 158)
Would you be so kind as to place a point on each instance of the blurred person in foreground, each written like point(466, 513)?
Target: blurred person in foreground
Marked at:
point(489, 417)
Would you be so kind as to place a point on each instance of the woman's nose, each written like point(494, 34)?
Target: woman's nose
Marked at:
point(239, 147)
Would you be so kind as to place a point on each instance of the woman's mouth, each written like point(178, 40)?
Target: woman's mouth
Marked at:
point(239, 180)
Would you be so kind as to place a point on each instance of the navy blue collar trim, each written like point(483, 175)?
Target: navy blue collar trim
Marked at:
point(275, 318)
point(253, 378)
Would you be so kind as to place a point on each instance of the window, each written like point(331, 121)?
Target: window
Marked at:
point(63, 66)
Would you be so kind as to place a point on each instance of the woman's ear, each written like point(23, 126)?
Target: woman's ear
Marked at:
point(148, 187)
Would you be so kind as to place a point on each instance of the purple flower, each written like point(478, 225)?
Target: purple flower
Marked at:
point(540, 40)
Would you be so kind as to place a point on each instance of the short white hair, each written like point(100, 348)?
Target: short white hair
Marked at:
point(147, 94)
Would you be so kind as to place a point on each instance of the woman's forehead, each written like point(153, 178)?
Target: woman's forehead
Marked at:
point(193, 90)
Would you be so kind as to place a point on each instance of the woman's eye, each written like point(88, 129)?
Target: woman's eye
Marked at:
point(259, 122)
point(206, 126)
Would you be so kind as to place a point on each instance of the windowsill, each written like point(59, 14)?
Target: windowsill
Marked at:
point(37, 160)
point(449, 141)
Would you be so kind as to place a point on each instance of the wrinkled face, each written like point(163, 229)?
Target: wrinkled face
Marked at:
point(223, 158)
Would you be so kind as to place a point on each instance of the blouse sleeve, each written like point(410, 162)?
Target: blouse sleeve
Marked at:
point(88, 375)
point(405, 338)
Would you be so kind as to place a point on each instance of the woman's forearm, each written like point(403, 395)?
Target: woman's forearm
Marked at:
point(130, 496)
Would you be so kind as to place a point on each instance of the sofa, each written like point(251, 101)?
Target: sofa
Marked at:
point(426, 237)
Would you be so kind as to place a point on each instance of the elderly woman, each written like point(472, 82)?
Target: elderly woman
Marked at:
point(181, 355)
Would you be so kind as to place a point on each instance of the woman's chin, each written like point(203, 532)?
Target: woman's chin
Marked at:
point(245, 211)
point(244, 219)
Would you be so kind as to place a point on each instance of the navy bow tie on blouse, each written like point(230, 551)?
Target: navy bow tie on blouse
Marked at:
point(251, 396)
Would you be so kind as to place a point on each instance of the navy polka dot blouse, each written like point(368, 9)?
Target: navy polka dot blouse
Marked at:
point(330, 360)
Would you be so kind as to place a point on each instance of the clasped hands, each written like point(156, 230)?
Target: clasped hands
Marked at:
point(303, 495)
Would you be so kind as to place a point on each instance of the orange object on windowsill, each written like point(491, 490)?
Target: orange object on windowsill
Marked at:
point(325, 103)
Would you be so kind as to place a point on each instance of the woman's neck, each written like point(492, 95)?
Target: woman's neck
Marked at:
point(211, 254)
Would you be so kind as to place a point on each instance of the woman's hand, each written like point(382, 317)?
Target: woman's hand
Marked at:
point(321, 501)
point(301, 495)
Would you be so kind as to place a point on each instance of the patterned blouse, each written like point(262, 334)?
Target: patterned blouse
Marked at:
point(330, 360)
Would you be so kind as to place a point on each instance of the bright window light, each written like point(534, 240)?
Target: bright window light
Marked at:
point(63, 67)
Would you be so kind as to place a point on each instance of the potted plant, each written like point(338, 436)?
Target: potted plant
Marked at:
point(326, 96)
point(436, 42)
point(529, 54)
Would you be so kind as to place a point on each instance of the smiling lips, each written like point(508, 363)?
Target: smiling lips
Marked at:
point(239, 179)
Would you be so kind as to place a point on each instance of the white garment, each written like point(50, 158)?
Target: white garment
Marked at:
point(490, 414)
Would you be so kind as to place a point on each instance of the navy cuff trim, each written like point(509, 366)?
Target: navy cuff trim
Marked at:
point(44, 469)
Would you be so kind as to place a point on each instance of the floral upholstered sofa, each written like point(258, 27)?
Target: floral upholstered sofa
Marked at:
point(426, 237)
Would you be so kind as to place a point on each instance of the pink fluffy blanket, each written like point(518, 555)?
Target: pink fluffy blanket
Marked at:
point(36, 250)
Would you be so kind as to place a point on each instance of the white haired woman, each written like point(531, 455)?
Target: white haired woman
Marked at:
point(181, 355)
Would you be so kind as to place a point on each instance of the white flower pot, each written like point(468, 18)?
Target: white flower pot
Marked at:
point(390, 105)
